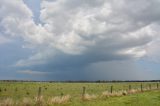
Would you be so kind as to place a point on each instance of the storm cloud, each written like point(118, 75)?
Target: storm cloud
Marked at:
point(73, 36)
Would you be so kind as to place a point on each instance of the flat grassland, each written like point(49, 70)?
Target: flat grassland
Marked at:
point(79, 94)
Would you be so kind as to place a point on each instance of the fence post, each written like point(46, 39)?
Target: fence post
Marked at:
point(150, 87)
point(141, 87)
point(130, 87)
point(111, 89)
point(39, 91)
point(157, 86)
point(38, 102)
point(84, 91)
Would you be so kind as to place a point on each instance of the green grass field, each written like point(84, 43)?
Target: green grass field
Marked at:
point(17, 91)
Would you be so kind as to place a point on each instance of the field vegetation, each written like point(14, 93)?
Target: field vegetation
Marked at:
point(79, 94)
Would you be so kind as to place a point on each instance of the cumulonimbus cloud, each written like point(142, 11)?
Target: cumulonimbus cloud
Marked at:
point(96, 30)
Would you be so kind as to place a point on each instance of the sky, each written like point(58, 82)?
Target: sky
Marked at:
point(79, 40)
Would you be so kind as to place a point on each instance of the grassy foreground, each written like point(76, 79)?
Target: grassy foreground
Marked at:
point(150, 98)
point(73, 94)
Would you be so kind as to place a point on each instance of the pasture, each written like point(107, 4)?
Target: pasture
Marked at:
point(79, 94)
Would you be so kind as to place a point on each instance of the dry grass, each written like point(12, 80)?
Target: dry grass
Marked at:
point(88, 97)
point(133, 91)
point(59, 100)
point(146, 89)
point(106, 94)
point(124, 92)
point(27, 102)
point(154, 88)
point(7, 102)
point(39, 100)
point(114, 94)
